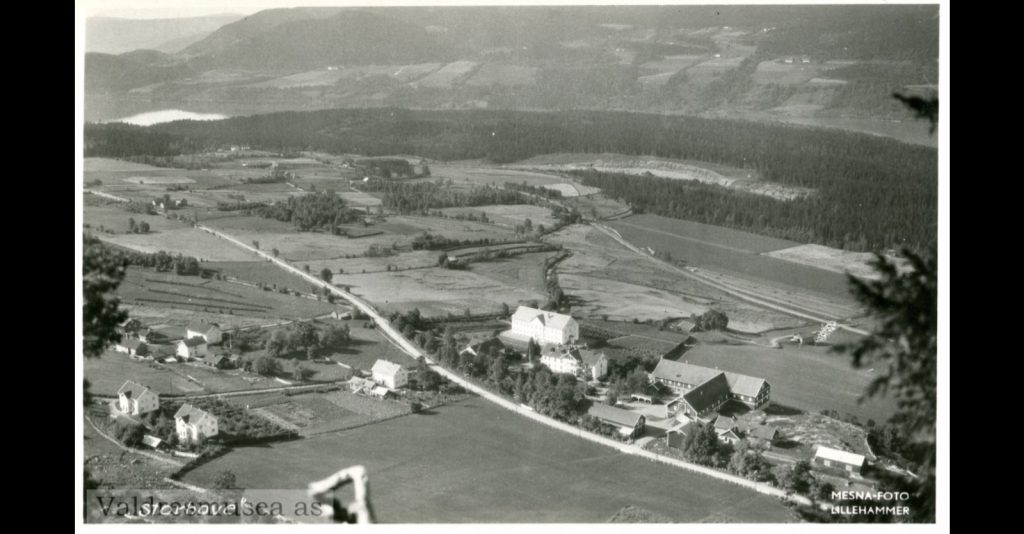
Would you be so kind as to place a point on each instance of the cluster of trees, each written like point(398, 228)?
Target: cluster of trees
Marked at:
point(161, 261)
point(388, 167)
point(141, 227)
point(239, 205)
point(710, 320)
point(275, 177)
point(310, 212)
point(421, 197)
point(535, 190)
point(305, 338)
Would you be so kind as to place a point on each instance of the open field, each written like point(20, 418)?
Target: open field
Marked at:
point(259, 272)
point(503, 75)
point(731, 252)
point(479, 174)
point(524, 271)
point(417, 259)
point(472, 462)
point(307, 246)
point(829, 259)
point(107, 373)
point(447, 75)
point(187, 241)
point(609, 279)
point(808, 378)
point(435, 291)
point(164, 290)
point(106, 213)
point(508, 215)
point(368, 345)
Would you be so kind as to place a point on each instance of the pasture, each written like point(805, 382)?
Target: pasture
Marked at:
point(471, 462)
point(107, 373)
point(447, 75)
point(435, 291)
point(508, 215)
point(108, 214)
point(809, 378)
point(606, 278)
point(829, 259)
point(192, 293)
point(731, 251)
point(187, 241)
point(490, 74)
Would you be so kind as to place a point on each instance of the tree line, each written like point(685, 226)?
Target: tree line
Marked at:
point(850, 215)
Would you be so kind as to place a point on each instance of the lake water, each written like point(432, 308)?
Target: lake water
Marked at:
point(168, 115)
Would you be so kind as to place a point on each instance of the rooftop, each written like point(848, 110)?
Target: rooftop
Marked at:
point(836, 455)
point(614, 415)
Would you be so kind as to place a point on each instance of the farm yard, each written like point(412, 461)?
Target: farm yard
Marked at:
point(807, 378)
point(472, 462)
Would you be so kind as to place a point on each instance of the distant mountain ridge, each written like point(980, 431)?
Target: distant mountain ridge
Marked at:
point(111, 35)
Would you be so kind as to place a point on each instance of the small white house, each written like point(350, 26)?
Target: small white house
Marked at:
point(584, 363)
point(193, 424)
point(210, 332)
point(135, 399)
point(544, 327)
point(389, 374)
point(192, 348)
point(848, 461)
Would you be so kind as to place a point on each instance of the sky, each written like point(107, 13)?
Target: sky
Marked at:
point(194, 8)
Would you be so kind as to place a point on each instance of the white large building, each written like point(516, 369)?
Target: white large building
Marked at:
point(544, 326)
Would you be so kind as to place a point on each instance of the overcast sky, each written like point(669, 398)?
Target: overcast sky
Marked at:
point(150, 9)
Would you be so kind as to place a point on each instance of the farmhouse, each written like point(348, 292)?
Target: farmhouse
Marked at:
point(132, 347)
point(678, 433)
point(210, 332)
point(727, 429)
point(765, 433)
point(704, 389)
point(192, 348)
point(848, 461)
point(193, 424)
point(584, 363)
point(389, 374)
point(544, 326)
point(135, 399)
point(629, 423)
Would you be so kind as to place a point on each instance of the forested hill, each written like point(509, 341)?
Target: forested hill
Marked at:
point(890, 183)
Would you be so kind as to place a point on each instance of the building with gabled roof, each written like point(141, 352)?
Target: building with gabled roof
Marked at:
point(192, 348)
point(684, 378)
point(629, 423)
point(389, 374)
point(135, 399)
point(194, 424)
point(210, 332)
point(544, 327)
point(581, 362)
point(847, 461)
